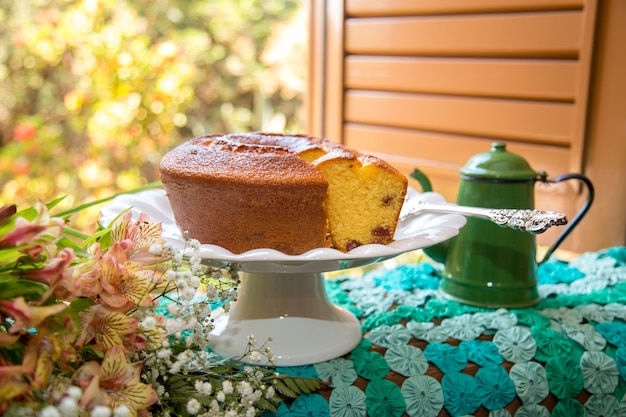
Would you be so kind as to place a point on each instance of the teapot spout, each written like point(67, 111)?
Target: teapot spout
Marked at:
point(422, 179)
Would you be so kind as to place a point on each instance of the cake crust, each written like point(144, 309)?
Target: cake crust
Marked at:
point(292, 193)
point(228, 194)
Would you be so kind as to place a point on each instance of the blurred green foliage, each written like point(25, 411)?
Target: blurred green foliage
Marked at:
point(94, 92)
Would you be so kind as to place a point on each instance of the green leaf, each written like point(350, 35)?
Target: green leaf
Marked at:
point(80, 304)
point(265, 404)
point(67, 213)
point(65, 242)
point(14, 287)
point(282, 389)
point(308, 385)
point(291, 383)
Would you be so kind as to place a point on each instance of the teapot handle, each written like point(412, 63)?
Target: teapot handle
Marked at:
point(581, 213)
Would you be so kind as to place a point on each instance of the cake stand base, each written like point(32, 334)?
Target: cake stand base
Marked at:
point(293, 310)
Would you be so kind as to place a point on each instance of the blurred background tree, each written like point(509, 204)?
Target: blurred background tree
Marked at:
point(94, 92)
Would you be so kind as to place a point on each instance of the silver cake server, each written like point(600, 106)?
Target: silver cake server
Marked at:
point(527, 220)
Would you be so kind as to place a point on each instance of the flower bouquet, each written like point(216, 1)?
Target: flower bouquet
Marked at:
point(116, 323)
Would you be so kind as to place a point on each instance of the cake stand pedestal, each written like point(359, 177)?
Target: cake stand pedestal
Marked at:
point(293, 310)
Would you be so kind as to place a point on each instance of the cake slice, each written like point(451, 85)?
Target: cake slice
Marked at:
point(364, 199)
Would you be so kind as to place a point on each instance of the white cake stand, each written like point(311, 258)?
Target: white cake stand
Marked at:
point(282, 296)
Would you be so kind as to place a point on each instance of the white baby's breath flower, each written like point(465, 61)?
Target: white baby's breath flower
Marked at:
point(50, 411)
point(68, 407)
point(170, 275)
point(203, 387)
point(188, 293)
point(194, 281)
point(164, 353)
point(220, 396)
point(193, 406)
point(74, 392)
point(270, 392)
point(244, 388)
point(100, 411)
point(211, 291)
point(255, 357)
point(178, 257)
point(173, 309)
point(227, 387)
point(155, 249)
point(121, 411)
point(251, 412)
point(149, 323)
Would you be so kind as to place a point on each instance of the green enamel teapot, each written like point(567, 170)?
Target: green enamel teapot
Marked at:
point(486, 264)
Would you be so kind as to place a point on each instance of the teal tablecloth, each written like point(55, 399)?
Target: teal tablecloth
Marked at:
point(424, 355)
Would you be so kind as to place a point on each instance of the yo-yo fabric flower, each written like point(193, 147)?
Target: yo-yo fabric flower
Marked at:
point(532, 410)
point(599, 405)
point(531, 318)
point(423, 396)
point(428, 331)
point(406, 360)
point(557, 272)
point(515, 344)
point(503, 412)
point(310, 405)
point(620, 361)
point(496, 320)
point(462, 327)
point(388, 336)
point(585, 335)
point(565, 377)
point(347, 401)
point(614, 332)
point(531, 382)
point(340, 372)
point(494, 386)
point(447, 358)
point(302, 371)
point(460, 393)
point(550, 343)
point(568, 407)
point(481, 352)
point(370, 365)
point(599, 372)
point(384, 399)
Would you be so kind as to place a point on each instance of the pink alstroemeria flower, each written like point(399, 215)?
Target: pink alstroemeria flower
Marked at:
point(107, 328)
point(6, 212)
point(27, 316)
point(136, 238)
point(125, 285)
point(27, 232)
point(40, 357)
point(12, 383)
point(52, 273)
point(114, 383)
point(83, 278)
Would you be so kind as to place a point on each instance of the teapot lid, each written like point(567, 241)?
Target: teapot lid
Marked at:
point(498, 163)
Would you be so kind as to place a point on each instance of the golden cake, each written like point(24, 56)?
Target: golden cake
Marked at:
point(292, 193)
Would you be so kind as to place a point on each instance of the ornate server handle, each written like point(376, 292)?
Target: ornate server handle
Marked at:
point(532, 221)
